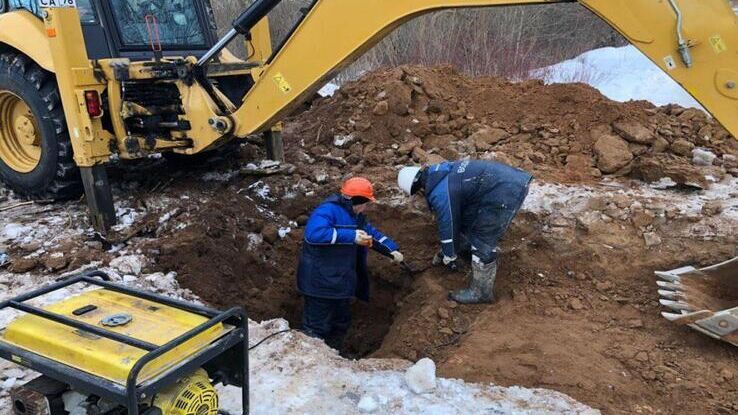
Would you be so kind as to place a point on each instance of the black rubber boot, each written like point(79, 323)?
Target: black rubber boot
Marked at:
point(482, 283)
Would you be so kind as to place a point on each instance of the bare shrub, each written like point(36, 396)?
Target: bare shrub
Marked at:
point(506, 41)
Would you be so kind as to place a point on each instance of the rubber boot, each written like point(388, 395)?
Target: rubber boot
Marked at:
point(482, 283)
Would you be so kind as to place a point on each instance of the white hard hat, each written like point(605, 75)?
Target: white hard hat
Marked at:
point(406, 178)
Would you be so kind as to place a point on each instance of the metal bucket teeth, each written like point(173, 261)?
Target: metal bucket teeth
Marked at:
point(671, 316)
point(669, 285)
point(671, 295)
point(668, 277)
point(676, 305)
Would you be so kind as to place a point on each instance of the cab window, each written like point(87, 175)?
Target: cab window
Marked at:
point(178, 20)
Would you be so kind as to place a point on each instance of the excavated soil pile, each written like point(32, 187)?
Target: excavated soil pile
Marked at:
point(567, 133)
point(577, 307)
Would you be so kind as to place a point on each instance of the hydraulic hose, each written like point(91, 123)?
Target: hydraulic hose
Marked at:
point(683, 46)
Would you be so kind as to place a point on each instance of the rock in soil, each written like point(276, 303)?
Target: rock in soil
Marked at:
point(21, 265)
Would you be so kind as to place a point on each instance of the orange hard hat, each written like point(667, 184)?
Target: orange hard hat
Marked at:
point(358, 187)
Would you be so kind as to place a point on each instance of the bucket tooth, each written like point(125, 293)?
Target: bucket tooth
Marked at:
point(671, 295)
point(669, 285)
point(671, 316)
point(676, 305)
point(668, 277)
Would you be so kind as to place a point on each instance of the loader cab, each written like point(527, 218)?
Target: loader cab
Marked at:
point(119, 29)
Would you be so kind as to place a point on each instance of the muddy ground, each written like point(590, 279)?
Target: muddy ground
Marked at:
point(619, 193)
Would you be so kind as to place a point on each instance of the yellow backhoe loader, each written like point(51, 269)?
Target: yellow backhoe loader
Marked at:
point(84, 81)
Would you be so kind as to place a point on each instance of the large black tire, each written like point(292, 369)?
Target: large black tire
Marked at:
point(56, 176)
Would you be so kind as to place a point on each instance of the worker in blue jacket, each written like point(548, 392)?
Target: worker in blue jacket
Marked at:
point(474, 202)
point(333, 261)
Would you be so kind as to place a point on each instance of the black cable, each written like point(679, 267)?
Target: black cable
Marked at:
point(269, 337)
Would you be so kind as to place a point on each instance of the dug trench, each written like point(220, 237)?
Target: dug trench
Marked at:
point(577, 309)
point(576, 306)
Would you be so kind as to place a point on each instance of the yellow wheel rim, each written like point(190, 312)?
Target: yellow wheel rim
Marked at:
point(20, 139)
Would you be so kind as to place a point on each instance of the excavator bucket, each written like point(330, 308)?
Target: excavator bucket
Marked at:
point(705, 299)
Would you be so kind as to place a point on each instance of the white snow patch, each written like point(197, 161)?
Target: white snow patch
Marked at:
point(421, 377)
point(15, 231)
point(621, 74)
point(343, 140)
point(283, 232)
point(262, 190)
point(329, 89)
point(129, 264)
point(569, 199)
point(294, 374)
point(214, 176)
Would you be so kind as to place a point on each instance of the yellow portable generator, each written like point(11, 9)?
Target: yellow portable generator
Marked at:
point(115, 350)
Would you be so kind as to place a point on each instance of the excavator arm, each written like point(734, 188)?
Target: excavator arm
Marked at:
point(693, 41)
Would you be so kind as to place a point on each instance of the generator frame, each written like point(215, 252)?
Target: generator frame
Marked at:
point(132, 394)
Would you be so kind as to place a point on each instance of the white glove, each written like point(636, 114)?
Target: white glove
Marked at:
point(398, 257)
point(362, 238)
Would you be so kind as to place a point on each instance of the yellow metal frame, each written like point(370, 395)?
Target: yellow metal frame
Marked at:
point(23, 31)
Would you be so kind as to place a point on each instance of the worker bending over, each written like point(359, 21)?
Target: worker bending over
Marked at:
point(474, 203)
point(333, 261)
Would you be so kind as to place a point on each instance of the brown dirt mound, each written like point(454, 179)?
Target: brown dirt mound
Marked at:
point(566, 133)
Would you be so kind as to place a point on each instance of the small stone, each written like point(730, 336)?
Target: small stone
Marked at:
point(56, 262)
point(635, 323)
point(660, 145)
point(31, 247)
point(642, 219)
point(421, 377)
point(486, 137)
point(97, 245)
point(712, 208)
point(382, 108)
point(367, 404)
point(270, 233)
point(651, 239)
point(443, 313)
point(682, 147)
point(641, 357)
point(409, 145)
point(603, 285)
point(730, 161)
point(612, 153)
point(634, 132)
point(21, 265)
point(576, 304)
point(726, 374)
point(447, 331)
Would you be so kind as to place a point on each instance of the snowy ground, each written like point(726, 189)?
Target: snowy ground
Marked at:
point(621, 74)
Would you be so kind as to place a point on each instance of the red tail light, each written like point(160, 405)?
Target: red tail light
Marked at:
point(94, 106)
